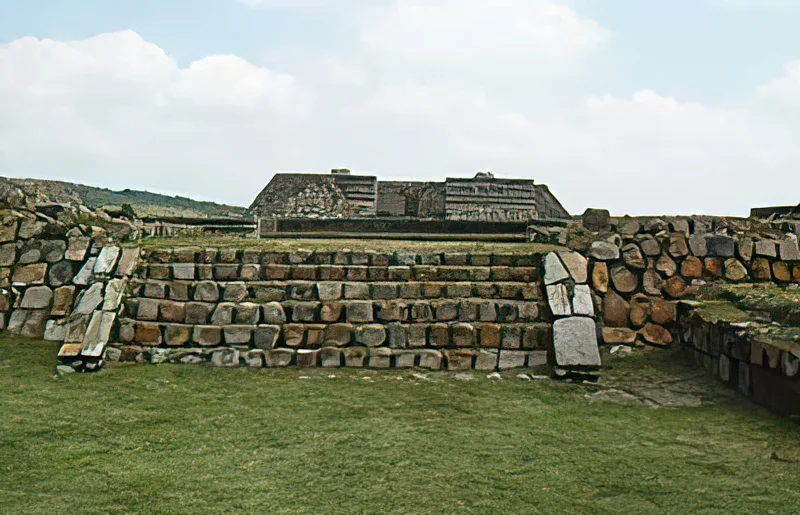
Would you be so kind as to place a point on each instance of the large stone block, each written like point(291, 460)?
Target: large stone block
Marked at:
point(329, 291)
point(225, 358)
point(148, 333)
point(721, 246)
point(359, 312)
point(8, 255)
point(238, 334)
point(235, 292)
point(279, 358)
point(30, 274)
point(307, 311)
point(37, 297)
point(273, 313)
point(338, 335)
point(107, 260)
point(355, 357)
point(430, 359)
point(789, 250)
point(127, 262)
point(464, 335)
point(460, 360)
point(380, 358)
point(371, 335)
point(171, 311)
point(90, 300)
point(558, 299)
point(331, 312)
point(439, 335)
point(575, 342)
point(356, 291)
point(198, 313)
point(206, 291)
point(554, 270)
point(178, 335)
point(62, 301)
point(330, 357)
point(512, 359)
point(207, 336)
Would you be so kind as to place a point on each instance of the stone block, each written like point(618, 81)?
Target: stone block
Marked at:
point(338, 335)
point(554, 270)
point(307, 358)
point(147, 310)
point(384, 291)
point(62, 301)
point(439, 335)
point(558, 299)
point(277, 358)
point(356, 291)
point(619, 336)
point(735, 270)
point(266, 336)
point(273, 313)
point(228, 358)
point(78, 248)
point(421, 312)
point(537, 336)
point(486, 360)
point(198, 313)
point(276, 272)
point(148, 333)
point(30, 274)
point(357, 273)
point(226, 272)
point(392, 311)
point(331, 312)
point(721, 246)
point(490, 336)
point(155, 290)
point(380, 358)
point(781, 271)
point(90, 300)
point(464, 335)
point(604, 251)
point(789, 250)
point(206, 291)
point(329, 291)
point(511, 337)
point(512, 359)
point(400, 273)
point(8, 254)
point(575, 343)
point(238, 334)
point(330, 357)
point(405, 358)
point(247, 314)
point(371, 335)
point(459, 290)
point(178, 335)
point(417, 335)
point(430, 359)
point(355, 357)
point(37, 297)
point(459, 360)
point(106, 260)
point(432, 290)
point(655, 334)
point(396, 336)
point(207, 336)
point(359, 312)
point(127, 262)
point(55, 331)
point(293, 335)
point(171, 311)
point(761, 270)
point(76, 327)
point(766, 248)
point(445, 311)
point(576, 264)
point(537, 360)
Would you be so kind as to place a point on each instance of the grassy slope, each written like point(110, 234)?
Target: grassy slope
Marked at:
point(194, 439)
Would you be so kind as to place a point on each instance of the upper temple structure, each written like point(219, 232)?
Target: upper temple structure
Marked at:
point(341, 194)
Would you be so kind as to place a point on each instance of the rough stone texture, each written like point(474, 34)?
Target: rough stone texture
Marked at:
point(61, 273)
point(600, 277)
point(735, 270)
point(273, 313)
point(107, 260)
point(355, 357)
point(235, 292)
point(359, 312)
point(698, 246)
point(38, 297)
point(666, 265)
point(616, 310)
point(676, 287)
point(789, 250)
point(330, 357)
point(640, 310)
point(207, 336)
point(90, 300)
point(206, 291)
point(62, 301)
point(279, 358)
point(339, 335)
point(577, 265)
point(624, 280)
point(225, 358)
point(714, 267)
point(721, 246)
point(652, 283)
point(632, 255)
point(8, 255)
point(766, 248)
point(604, 251)
point(575, 343)
point(595, 219)
point(30, 274)
point(650, 246)
point(554, 270)
point(761, 269)
point(127, 262)
point(678, 245)
point(663, 312)
point(178, 335)
point(558, 298)
point(238, 334)
point(656, 335)
point(329, 291)
point(582, 301)
point(692, 268)
point(372, 335)
point(619, 336)
point(781, 271)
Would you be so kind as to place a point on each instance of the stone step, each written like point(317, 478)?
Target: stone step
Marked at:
point(351, 357)
point(354, 273)
point(352, 311)
point(452, 335)
point(267, 291)
point(303, 257)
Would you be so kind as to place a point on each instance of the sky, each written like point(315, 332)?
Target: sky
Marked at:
point(639, 107)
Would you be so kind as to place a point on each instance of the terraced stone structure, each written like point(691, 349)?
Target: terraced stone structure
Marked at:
point(453, 311)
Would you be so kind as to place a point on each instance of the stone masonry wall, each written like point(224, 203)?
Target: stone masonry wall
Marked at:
point(245, 307)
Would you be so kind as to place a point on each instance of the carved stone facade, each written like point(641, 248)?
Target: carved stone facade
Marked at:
point(342, 195)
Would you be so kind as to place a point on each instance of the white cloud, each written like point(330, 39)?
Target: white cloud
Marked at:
point(469, 32)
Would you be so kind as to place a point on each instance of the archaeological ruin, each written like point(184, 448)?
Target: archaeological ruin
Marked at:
point(723, 289)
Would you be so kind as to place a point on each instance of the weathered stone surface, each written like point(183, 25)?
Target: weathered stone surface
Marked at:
point(8, 255)
point(698, 246)
point(356, 291)
point(714, 267)
point(61, 273)
point(359, 312)
point(781, 271)
point(761, 269)
point(305, 311)
point(486, 360)
point(331, 312)
point(307, 358)
point(459, 360)
point(616, 310)
point(663, 312)
point(76, 327)
point(86, 272)
point(430, 359)
point(77, 249)
point(619, 336)
point(265, 337)
point(558, 298)
point(650, 246)
point(147, 309)
point(62, 301)
point(147, 333)
point(554, 270)
point(640, 310)
point(575, 342)
point(254, 358)
point(171, 311)
point(676, 287)
point(656, 335)
point(206, 291)
point(678, 245)
point(632, 255)
point(127, 262)
point(107, 260)
point(30, 253)
point(207, 336)
point(235, 292)
point(464, 335)
point(225, 358)
point(445, 311)
point(90, 300)
point(789, 250)
point(238, 334)
point(279, 358)
point(595, 219)
point(735, 270)
point(184, 271)
point(692, 268)
point(32, 325)
point(355, 357)
point(8, 231)
point(511, 359)
point(439, 335)
point(744, 248)
point(37, 297)
point(604, 251)
point(329, 291)
point(330, 357)
point(652, 283)
point(721, 246)
point(273, 313)
point(766, 248)
point(600, 278)
point(666, 265)
point(582, 301)
point(372, 335)
point(115, 290)
point(577, 265)
point(628, 226)
point(55, 331)
point(198, 313)
point(30, 274)
point(624, 280)
point(53, 250)
point(178, 335)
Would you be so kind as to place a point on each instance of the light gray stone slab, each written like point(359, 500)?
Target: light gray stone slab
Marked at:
point(98, 334)
point(558, 298)
point(582, 300)
point(90, 300)
point(554, 270)
point(575, 342)
point(114, 292)
point(107, 260)
point(577, 265)
point(84, 277)
point(37, 297)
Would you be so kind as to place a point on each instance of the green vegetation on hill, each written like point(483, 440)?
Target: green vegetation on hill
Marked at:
point(144, 203)
point(191, 439)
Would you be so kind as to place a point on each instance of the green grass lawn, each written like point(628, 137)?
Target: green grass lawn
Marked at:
point(183, 439)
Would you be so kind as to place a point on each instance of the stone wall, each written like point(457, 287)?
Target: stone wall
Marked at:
point(485, 198)
point(244, 307)
point(411, 199)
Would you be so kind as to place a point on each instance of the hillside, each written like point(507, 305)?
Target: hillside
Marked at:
point(144, 203)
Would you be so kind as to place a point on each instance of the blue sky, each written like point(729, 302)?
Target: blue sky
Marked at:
point(612, 93)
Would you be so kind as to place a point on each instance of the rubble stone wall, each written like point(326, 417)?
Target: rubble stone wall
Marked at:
point(232, 307)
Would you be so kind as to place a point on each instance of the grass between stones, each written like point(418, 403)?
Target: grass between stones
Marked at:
point(184, 439)
point(354, 245)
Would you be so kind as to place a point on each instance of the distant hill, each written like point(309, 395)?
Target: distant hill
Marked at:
point(144, 203)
